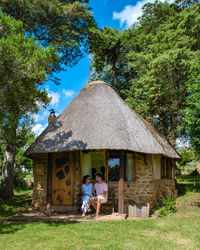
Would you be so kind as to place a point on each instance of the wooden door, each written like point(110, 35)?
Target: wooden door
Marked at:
point(62, 183)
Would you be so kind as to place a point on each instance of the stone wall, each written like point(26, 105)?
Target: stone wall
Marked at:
point(143, 189)
point(164, 188)
point(40, 164)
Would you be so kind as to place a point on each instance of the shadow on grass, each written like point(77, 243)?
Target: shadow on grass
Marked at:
point(16, 204)
point(188, 179)
point(10, 228)
point(13, 227)
point(187, 183)
point(187, 188)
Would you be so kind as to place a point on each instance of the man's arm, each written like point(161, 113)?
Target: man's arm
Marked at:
point(93, 190)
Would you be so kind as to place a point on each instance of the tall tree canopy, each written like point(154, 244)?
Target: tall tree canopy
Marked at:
point(191, 116)
point(27, 59)
point(156, 62)
point(64, 24)
point(24, 66)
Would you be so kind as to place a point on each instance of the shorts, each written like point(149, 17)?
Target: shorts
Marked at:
point(103, 199)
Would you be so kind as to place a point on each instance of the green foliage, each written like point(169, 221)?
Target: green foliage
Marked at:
point(180, 231)
point(24, 66)
point(186, 156)
point(191, 115)
point(154, 63)
point(185, 184)
point(110, 49)
point(18, 203)
point(63, 24)
point(168, 207)
point(19, 182)
point(166, 64)
point(20, 160)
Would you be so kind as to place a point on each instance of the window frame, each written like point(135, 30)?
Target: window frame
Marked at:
point(168, 168)
point(81, 163)
point(106, 158)
point(117, 154)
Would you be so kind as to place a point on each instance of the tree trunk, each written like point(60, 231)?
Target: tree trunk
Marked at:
point(6, 191)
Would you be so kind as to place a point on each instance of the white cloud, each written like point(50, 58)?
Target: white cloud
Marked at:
point(41, 116)
point(68, 93)
point(36, 118)
point(183, 142)
point(38, 128)
point(55, 96)
point(130, 13)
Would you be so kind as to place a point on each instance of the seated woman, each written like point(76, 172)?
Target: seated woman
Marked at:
point(87, 192)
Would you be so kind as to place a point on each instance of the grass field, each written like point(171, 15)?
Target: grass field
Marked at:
point(20, 202)
point(188, 179)
point(177, 231)
point(188, 183)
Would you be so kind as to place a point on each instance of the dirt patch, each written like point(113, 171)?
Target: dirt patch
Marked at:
point(175, 237)
point(129, 245)
point(149, 233)
point(184, 241)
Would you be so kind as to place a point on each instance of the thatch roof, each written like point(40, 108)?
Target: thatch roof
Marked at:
point(99, 119)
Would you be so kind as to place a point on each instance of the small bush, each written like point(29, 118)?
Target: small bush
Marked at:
point(19, 182)
point(168, 206)
point(186, 157)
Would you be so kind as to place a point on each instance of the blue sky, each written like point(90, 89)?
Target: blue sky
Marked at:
point(112, 13)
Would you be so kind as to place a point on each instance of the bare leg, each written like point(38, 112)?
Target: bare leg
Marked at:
point(98, 205)
point(93, 203)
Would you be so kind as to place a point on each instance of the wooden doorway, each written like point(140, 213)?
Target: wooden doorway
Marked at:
point(62, 178)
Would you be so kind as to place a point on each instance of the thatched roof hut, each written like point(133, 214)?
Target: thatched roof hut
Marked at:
point(99, 119)
point(99, 133)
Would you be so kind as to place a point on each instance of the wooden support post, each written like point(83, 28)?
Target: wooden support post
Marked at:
point(49, 183)
point(121, 182)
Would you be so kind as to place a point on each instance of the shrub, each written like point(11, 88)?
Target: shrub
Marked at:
point(168, 206)
point(19, 181)
point(186, 157)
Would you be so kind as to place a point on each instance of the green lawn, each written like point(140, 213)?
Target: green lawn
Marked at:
point(28, 177)
point(188, 179)
point(177, 231)
point(186, 183)
point(20, 202)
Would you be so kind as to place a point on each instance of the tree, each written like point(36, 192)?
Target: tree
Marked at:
point(162, 50)
point(24, 66)
point(64, 24)
point(20, 160)
point(191, 116)
point(110, 48)
point(165, 69)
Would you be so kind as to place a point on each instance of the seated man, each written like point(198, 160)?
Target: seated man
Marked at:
point(101, 189)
